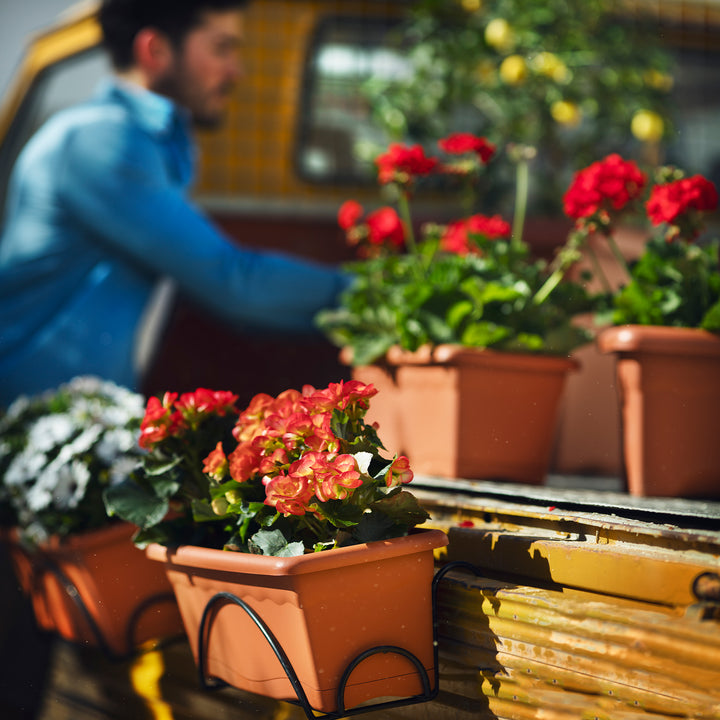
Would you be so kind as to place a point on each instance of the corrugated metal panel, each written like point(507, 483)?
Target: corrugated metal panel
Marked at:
point(548, 650)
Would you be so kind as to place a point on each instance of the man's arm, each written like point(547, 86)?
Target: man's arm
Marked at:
point(113, 180)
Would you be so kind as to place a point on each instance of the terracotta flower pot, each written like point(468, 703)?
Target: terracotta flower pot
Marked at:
point(324, 609)
point(123, 599)
point(461, 412)
point(669, 387)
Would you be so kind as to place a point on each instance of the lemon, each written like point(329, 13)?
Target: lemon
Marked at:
point(566, 113)
point(513, 70)
point(551, 65)
point(647, 126)
point(658, 80)
point(499, 35)
point(471, 5)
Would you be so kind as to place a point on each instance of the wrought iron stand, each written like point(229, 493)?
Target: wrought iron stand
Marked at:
point(429, 692)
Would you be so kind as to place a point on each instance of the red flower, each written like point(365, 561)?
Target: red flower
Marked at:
point(289, 494)
point(611, 183)
point(337, 478)
point(206, 402)
point(402, 163)
point(669, 202)
point(160, 421)
point(457, 237)
point(461, 143)
point(384, 226)
point(399, 472)
point(216, 463)
point(348, 215)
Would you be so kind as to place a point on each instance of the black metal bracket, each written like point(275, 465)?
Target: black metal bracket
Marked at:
point(42, 563)
point(430, 692)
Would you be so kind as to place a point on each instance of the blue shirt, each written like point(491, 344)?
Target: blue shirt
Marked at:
point(97, 214)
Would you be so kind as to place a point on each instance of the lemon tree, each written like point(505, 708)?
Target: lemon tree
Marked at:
point(572, 78)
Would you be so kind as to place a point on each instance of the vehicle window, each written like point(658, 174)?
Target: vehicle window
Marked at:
point(337, 138)
point(696, 142)
point(59, 86)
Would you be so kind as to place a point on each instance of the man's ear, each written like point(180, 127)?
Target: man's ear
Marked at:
point(153, 52)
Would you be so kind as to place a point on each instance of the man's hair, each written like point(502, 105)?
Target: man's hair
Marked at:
point(121, 20)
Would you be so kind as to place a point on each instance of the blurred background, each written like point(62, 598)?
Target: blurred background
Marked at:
point(18, 20)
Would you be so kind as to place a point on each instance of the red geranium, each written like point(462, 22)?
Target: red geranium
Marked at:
point(457, 237)
point(462, 143)
point(610, 184)
point(674, 202)
point(402, 164)
point(385, 228)
point(350, 212)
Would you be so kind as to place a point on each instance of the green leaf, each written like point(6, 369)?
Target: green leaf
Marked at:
point(402, 508)
point(273, 542)
point(135, 504)
point(711, 321)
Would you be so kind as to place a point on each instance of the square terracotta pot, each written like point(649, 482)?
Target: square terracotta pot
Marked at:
point(466, 413)
point(323, 608)
point(669, 386)
point(123, 599)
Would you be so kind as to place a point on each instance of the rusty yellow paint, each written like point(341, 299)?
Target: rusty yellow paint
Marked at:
point(536, 648)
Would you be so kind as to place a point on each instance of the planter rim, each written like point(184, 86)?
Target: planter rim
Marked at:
point(82, 540)
point(457, 354)
point(226, 561)
point(659, 339)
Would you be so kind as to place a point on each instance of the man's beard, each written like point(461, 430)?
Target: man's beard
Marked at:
point(172, 86)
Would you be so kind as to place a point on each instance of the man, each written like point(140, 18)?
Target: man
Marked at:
point(98, 220)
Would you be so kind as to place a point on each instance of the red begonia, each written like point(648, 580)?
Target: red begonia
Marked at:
point(399, 472)
point(160, 421)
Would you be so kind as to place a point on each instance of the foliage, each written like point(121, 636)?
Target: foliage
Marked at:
point(60, 449)
point(676, 281)
point(572, 78)
point(470, 282)
point(296, 473)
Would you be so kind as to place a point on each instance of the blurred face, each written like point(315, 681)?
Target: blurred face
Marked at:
point(205, 70)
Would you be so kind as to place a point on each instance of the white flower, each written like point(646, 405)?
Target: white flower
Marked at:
point(121, 469)
point(40, 495)
point(50, 431)
point(114, 443)
point(54, 445)
point(72, 480)
point(25, 467)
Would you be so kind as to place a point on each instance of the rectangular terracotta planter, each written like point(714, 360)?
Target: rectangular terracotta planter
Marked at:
point(127, 597)
point(669, 386)
point(467, 413)
point(324, 609)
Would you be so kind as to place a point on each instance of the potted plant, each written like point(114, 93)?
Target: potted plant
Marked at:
point(666, 319)
point(287, 538)
point(86, 581)
point(470, 333)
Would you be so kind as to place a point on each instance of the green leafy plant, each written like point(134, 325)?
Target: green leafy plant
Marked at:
point(572, 78)
point(290, 474)
point(471, 282)
point(676, 281)
point(59, 450)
